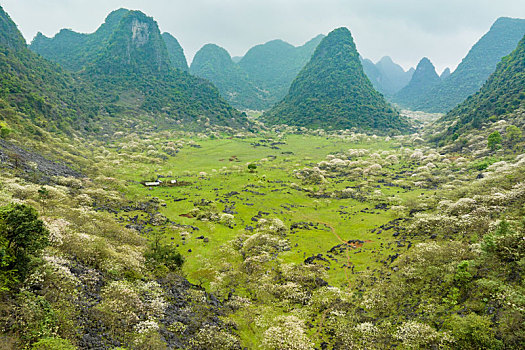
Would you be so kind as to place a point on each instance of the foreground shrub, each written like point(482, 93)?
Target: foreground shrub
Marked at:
point(22, 234)
point(53, 344)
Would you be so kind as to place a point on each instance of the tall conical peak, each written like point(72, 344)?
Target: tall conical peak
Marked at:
point(337, 41)
point(425, 68)
point(135, 45)
point(332, 91)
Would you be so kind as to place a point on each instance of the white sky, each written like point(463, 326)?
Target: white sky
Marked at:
point(406, 30)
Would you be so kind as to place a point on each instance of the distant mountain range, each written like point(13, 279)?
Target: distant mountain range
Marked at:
point(473, 71)
point(386, 76)
point(502, 93)
point(333, 92)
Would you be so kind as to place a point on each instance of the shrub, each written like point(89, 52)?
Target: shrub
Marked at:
point(22, 234)
point(494, 140)
point(53, 344)
point(165, 254)
point(472, 332)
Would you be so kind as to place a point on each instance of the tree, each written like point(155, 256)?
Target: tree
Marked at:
point(43, 196)
point(252, 167)
point(22, 235)
point(4, 130)
point(513, 134)
point(494, 140)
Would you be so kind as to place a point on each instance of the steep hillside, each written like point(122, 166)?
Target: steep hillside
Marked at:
point(74, 50)
point(332, 91)
point(127, 68)
point(134, 73)
point(175, 52)
point(503, 93)
point(273, 66)
point(36, 94)
point(476, 67)
point(215, 64)
point(423, 80)
point(135, 47)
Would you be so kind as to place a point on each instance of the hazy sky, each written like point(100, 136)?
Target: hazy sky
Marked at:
point(407, 30)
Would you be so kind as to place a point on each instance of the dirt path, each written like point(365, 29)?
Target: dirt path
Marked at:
point(347, 251)
point(347, 266)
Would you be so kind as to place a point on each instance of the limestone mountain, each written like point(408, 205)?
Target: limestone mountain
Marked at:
point(476, 67)
point(257, 80)
point(445, 74)
point(215, 64)
point(134, 71)
point(332, 91)
point(135, 47)
point(175, 52)
point(123, 71)
point(73, 50)
point(423, 80)
point(501, 94)
point(387, 76)
point(393, 76)
point(273, 66)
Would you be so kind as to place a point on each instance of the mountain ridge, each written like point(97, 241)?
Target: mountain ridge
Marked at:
point(332, 91)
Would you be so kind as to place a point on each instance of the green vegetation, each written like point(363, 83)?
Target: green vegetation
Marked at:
point(112, 86)
point(240, 235)
point(175, 52)
point(22, 235)
point(74, 51)
point(273, 66)
point(259, 79)
point(215, 64)
point(333, 92)
point(476, 67)
point(53, 344)
point(494, 140)
point(499, 96)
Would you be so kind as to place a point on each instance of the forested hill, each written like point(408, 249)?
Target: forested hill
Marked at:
point(503, 93)
point(258, 80)
point(215, 64)
point(134, 71)
point(175, 51)
point(36, 94)
point(10, 37)
point(332, 91)
point(124, 72)
point(476, 67)
point(423, 80)
point(274, 65)
point(74, 50)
